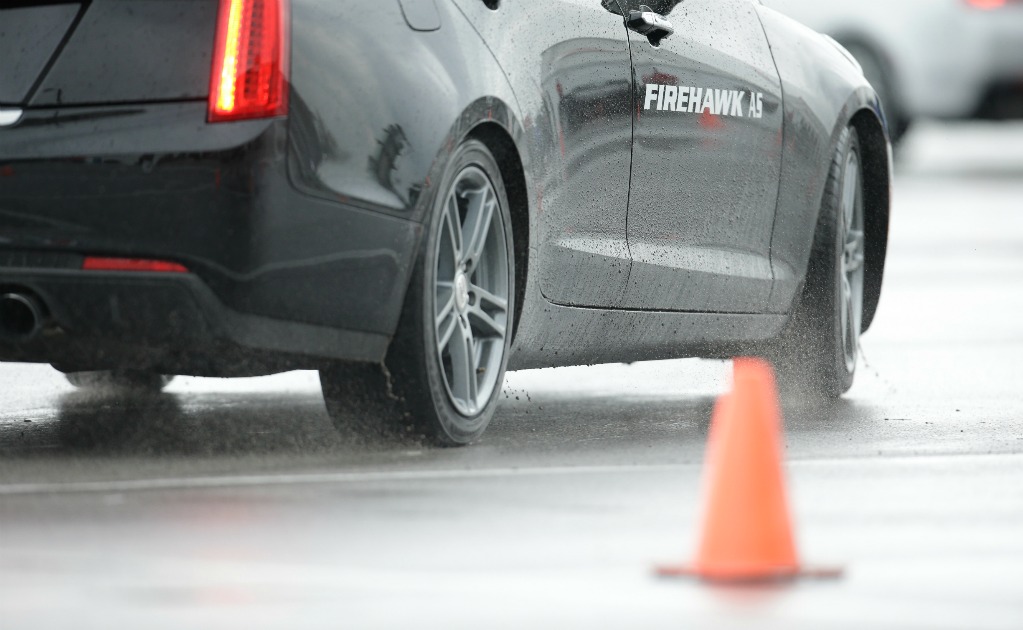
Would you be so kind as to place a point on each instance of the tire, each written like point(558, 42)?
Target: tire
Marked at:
point(444, 369)
point(120, 380)
point(817, 353)
point(879, 73)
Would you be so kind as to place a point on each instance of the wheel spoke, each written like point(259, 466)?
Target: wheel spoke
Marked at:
point(463, 365)
point(854, 245)
point(486, 324)
point(445, 296)
point(447, 323)
point(478, 219)
point(851, 318)
point(486, 311)
point(852, 184)
point(453, 227)
point(850, 333)
point(487, 300)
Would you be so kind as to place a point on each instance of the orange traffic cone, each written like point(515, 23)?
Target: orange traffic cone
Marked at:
point(747, 534)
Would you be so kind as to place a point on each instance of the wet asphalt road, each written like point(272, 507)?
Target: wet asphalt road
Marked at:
point(233, 504)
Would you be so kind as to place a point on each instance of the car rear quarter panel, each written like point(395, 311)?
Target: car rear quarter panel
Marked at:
point(377, 106)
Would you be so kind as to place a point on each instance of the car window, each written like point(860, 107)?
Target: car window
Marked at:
point(612, 6)
point(664, 7)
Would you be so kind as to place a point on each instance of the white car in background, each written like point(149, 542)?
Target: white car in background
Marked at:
point(928, 58)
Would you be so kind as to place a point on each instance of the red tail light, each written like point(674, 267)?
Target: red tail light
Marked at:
point(250, 61)
point(991, 4)
point(98, 263)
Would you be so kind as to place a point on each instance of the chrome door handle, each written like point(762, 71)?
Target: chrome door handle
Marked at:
point(648, 22)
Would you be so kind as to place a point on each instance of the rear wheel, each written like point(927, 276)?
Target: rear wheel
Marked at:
point(120, 380)
point(818, 352)
point(445, 367)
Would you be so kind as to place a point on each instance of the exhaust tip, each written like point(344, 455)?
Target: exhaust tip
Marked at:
point(21, 317)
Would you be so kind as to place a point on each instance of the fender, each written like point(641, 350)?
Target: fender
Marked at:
point(820, 100)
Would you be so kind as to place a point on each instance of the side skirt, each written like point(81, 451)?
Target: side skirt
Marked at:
point(564, 335)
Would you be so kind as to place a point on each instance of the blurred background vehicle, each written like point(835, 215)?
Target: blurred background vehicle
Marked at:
point(948, 59)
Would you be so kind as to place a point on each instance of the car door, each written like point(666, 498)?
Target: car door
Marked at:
point(585, 75)
point(569, 64)
point(706, 157)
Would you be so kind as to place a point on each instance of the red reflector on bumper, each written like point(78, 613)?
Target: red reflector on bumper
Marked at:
point(97, 263)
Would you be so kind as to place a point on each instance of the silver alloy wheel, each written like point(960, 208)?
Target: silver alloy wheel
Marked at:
point(853, 254)
point(471, 291)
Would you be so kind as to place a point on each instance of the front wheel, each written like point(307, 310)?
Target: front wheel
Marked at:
point(818, 352)
point(445, 367)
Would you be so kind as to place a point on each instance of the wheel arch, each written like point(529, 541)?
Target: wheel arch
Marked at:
point(898, 116)
point(876, 159)
point(493, 121)
point(509, 160)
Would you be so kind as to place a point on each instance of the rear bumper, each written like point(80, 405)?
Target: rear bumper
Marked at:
point(271, 269)
point(166, 322)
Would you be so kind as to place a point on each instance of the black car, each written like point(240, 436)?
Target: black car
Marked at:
point(413, 195)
